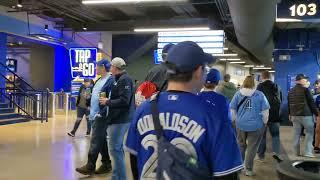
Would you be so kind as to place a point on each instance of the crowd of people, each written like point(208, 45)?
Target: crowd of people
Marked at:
point(189, 122)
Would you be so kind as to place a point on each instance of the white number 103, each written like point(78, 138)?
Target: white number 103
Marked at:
point(303, 9)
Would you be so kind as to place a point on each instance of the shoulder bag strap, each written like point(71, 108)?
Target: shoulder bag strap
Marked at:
point(155, 117)
point(241, 102)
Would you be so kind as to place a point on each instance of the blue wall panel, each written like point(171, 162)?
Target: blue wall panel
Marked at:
point(62, 71)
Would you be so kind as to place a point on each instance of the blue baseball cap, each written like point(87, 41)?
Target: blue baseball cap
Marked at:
point(187, 56)
point(104, 63)
point(166, 48)
point(213, 76)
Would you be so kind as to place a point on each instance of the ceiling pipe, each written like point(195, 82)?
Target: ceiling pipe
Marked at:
point(253, 22)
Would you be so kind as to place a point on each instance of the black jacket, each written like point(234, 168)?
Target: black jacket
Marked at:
point(79, 96)
point(274, 96)
point(300, 102)
point(121, 102)
point(158, 76)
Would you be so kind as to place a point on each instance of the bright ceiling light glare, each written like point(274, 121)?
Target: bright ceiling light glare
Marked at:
point(226, 49)
point(287, 20)
point(272, 71)
point(230, 55)
point(171, 29)
point(222, 59)
point(42, 38)
point(19, 4)
point(237, 62)
point(126, 1)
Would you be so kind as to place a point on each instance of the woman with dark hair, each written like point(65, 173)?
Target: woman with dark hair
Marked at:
point(250, 113)
point(83, 106)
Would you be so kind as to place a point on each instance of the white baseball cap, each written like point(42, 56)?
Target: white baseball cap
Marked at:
point(118, 62)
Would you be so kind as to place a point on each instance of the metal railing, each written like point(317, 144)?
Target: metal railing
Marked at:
point(23, 98)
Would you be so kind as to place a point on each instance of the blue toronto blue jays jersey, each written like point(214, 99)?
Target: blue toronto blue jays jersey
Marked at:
point(196, 127)
point(218, 101)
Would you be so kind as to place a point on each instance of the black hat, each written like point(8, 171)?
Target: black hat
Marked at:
point(301, 76)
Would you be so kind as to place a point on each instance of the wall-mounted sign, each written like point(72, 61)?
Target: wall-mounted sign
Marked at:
point(284, 57)
point(212, 41)
point(83, 61)
point(298, 9)
point(12, 64)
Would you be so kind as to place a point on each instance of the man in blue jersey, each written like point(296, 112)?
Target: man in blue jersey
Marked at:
point(212, 97)
point(195, 126)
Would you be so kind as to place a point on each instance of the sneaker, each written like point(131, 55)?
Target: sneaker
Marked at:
point(85, 170)
point(104, 169)
point(249, 173)
point(71, 134)
point(309, 155)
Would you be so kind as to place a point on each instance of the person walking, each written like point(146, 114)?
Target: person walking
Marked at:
point(196, 130)
point(250, 111)
point(274, 97)
point(98, 115)
point(227, 88)
point(302, 108)
point(83, 106)
point(121, 106)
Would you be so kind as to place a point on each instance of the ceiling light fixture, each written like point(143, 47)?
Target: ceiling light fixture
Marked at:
point(249, 66)
point(225, 55)
point(84, 27)
point(19, 4)
point(237, 62)
point(126, 1)
point(235, 59)
point(287, 20)
point(273, 71)
point(170, 29)
point(223, 59)
point(226, 49)
point(262, 68)
point(46, 27)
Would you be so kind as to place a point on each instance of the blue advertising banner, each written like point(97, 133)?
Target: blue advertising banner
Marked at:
point(298, 9)
point(83, 61)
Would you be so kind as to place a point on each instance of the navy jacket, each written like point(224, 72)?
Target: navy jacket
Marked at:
point(121, 102)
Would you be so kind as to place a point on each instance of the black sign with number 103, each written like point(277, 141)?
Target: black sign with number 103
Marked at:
point(299, 9)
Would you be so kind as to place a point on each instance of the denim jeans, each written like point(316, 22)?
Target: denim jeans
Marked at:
point(116, 134)
point(308, 123)
point(275, 134)
point(249, 142)
point(98, 143)
point(80, 113)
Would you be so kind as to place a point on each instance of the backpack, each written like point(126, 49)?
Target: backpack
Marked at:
point(144, 92)
point(174, 163)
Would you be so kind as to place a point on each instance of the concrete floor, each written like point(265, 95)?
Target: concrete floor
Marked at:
point(43, 151)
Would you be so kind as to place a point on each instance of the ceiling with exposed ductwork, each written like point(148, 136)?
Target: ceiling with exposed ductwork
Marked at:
point(247, 27)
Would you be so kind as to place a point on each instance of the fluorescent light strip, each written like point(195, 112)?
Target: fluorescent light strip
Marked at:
point(237, 62)
point(272, 71)
point(262, 68)
point(287, 20)
point(126, 1)
point(226, 49)
point(202, 45)
point(171, 29)
point(222, 59)
point(249, 66)
point(236, 59)
point(194, 39)
point(192, 33)
point(219, 55)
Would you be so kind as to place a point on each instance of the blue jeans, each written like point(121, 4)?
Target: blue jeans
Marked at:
point(308, 123)
point(116, 133)
point(275, 134)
